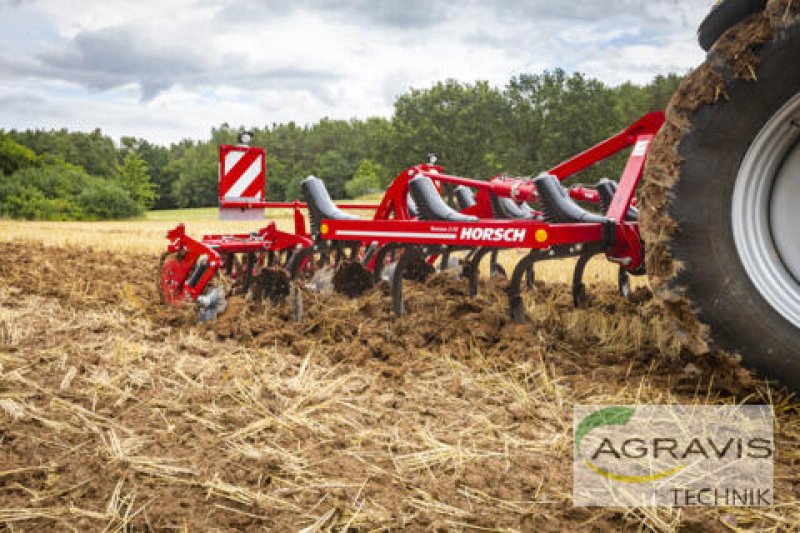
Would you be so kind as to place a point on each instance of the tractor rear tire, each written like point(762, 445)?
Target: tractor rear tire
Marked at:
point(724, 16)
point(734, 243)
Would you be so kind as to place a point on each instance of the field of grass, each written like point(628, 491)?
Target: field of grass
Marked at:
point(144, 234)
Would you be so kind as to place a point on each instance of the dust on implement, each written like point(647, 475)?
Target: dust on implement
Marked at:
point(722, 180)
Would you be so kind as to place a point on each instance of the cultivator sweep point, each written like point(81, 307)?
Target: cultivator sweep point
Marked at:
point(414, 232)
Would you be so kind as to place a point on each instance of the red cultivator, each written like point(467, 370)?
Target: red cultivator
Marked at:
point(413, 228)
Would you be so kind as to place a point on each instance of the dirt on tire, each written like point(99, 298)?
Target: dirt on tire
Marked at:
point(732, 57)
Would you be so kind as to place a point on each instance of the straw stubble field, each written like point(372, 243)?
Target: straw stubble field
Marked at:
point(116, 412)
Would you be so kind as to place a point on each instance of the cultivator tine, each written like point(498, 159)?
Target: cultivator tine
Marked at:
point(228, 258)
point(338, 255)
point(578, 288)
point(296, 299)
point(624, 284)
point(514, 293)
point(444, 260)
point(413, 256)
point(397, 279)
point(495, 268)
point(298, 259)
point(470, 255)
point(247, 277)
point(474, 269)
point(324, 256)
point(370, 252)
point(380, 259)
point(530, 277)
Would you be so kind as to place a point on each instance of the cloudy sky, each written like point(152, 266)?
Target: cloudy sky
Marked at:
point(171, 69)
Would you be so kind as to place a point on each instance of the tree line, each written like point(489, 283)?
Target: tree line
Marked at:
point(475, 130)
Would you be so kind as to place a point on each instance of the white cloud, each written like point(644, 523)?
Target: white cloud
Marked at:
point(167, 70)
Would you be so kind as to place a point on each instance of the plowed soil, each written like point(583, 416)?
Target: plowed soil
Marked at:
point(117, 412)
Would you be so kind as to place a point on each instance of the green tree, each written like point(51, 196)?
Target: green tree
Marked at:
point(197, 176)
point(30, 203)
point(14, 155)
point(277, 179)
point(464, 125)
point(556, 116)
point(133, 177)
point(293, 191)
point(334, 169)
point(104, 199)
point(365, 180)
point(94, 151)
point(61, 191)
point(156, 157)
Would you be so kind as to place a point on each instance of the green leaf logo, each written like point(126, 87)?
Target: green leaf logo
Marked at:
point(609, 416)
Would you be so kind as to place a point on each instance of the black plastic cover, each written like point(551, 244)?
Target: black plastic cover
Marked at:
point(430, 204)
point(464, 197)
point(606, 188)
point(411, 206)
point(507, 208)
point(320, 205)
point(558, 206)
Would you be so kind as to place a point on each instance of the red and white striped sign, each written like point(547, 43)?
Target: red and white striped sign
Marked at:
point(242, 173)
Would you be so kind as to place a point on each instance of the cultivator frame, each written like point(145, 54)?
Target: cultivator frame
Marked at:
point(413, 225)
